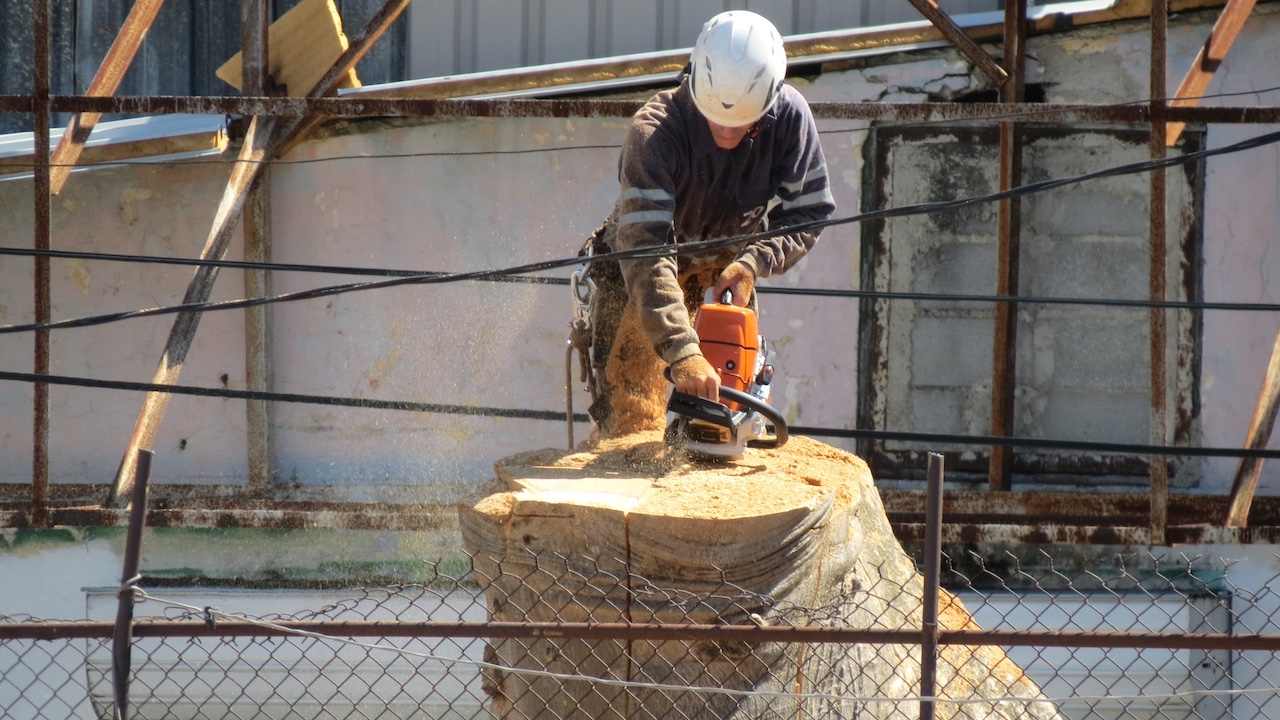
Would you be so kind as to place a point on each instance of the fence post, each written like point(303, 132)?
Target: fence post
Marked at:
point(122, 639)
point(932, 581)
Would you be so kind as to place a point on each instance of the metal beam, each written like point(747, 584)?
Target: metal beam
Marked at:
point(258, 375)
point(104, 83)
point(259, 414)
point(1009, 242)
point(255, 150)
point(1208, 60)
point(349, 106)
point(1157, 268)
point(1264, 419)
point(43, 297)
point(996, 75)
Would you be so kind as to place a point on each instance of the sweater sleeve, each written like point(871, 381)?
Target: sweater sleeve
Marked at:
point(804, 195)
point(645, 210)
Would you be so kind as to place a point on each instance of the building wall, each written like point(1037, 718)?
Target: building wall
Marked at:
point(489, 193)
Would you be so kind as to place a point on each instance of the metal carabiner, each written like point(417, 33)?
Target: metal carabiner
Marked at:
point(583, 288)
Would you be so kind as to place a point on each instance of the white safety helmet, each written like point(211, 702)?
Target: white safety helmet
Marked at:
point(737, 67)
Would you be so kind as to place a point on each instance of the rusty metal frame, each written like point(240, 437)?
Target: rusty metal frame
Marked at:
point(1137, 518)
point(62, 630)
point(260, 428)
point(1158, 259)
point(1009, 232)
point(104, 84)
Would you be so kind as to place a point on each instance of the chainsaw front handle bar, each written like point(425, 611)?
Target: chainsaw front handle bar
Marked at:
point(781, 434)
point(718, 414)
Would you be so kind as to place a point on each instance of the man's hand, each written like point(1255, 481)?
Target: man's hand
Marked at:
point(739, 281)
point(695, 376)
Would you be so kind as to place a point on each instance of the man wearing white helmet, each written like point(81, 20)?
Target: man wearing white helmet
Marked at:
point(730, 152)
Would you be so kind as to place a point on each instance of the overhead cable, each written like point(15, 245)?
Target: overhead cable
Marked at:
point(559, 281)
point(656, 251)
point(934, 439)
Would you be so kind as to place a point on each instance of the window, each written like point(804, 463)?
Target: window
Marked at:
point(1082, 371)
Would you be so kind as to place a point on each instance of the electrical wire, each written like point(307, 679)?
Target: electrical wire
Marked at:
point(932, 439)
point(559, 281)
point(657, 251)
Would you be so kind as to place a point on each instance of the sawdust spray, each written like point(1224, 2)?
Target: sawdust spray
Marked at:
point(639, 390)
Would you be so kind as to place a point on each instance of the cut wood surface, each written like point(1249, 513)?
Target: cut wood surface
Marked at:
point(628, 530)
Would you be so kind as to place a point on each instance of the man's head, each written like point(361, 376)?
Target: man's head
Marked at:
point(737, 67)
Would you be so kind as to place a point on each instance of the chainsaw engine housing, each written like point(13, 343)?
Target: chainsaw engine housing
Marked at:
point(730, 340)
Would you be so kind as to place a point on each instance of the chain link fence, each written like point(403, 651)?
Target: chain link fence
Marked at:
point(1128, 636)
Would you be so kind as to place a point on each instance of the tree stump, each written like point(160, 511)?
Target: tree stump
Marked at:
point(631, 531)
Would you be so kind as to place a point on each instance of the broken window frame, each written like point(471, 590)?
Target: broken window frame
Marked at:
point(894, 460)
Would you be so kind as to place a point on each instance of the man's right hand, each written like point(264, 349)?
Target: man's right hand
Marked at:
point(695, 376)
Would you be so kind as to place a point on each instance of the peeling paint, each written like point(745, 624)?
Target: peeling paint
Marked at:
point(79, 273)
point(128, 197)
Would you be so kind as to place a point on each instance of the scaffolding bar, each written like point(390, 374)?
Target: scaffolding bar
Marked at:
point(1208, 60)
point(1158, 257)
point(104, 83)
point(1009, 243)
point(42, 301)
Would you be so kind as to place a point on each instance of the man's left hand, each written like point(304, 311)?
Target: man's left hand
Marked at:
point(739, 281)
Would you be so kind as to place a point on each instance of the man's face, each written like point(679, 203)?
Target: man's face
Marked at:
point(727, 138)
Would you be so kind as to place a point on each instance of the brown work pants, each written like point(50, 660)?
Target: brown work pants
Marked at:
point(631, 392)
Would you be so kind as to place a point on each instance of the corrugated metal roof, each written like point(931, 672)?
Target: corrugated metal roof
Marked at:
point(614, 73)
point(620, 72)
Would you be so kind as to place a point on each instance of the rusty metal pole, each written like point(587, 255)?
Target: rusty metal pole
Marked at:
point(932, 588)
point(105, 81)
point(252, 154)
point(259, 417)
point(1009, 241)
point(1158, 264)
point(122, 637)
point(43, 295)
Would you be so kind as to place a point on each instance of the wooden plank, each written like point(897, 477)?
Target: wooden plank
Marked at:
point(996, 75)
point(305, 42)
point(104, 84)
point(42, 300)
point(1208, 60)
point(118, 151)
point(1264, 419)
point(330, 82)
point(248, 166)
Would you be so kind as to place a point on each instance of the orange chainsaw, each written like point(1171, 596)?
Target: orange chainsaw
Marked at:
point(730, 340)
